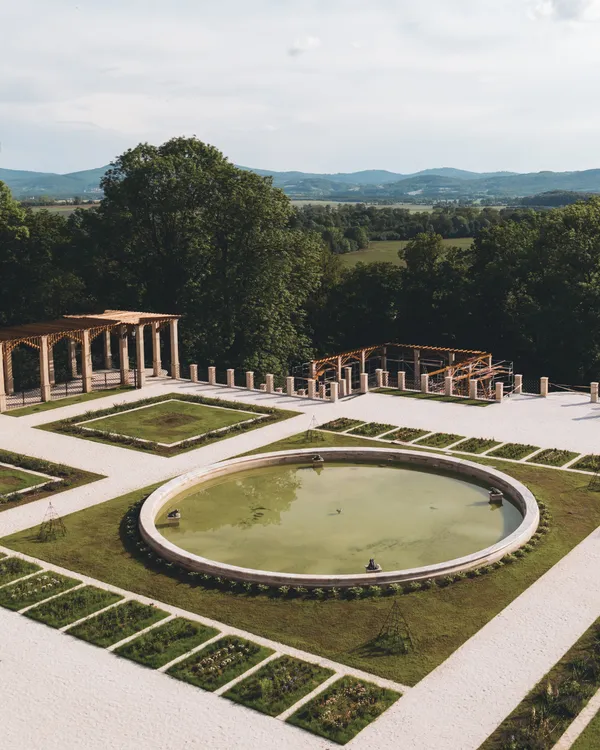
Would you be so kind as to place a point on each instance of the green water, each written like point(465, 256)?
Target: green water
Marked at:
point(286, 519)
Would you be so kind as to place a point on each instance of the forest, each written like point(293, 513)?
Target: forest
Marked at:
point(259, 285)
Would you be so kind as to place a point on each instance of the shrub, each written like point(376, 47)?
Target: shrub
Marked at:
point(117, 623)
point(12, 568)
point(516, 451)
point(406, 434)
point(341, 424)
point(439, 440)
point(33, 590)
point(553, 457)
point(371, 429)
point(355, 592)
point(72, 606)
point(476, 445)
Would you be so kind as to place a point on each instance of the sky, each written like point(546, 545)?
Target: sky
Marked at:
point(311, 85)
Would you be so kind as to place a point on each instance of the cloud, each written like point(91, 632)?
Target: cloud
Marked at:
point(303, 45)
point(562, 10)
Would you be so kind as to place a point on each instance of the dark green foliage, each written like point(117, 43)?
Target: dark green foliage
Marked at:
point(36, 589)
point(439, 440)
point(371, 429)
point(515, 451)
point(117, 623)
point(72, 606)
point(278, 685)
point(166, 642)
point(340, 712)
point(12, 568)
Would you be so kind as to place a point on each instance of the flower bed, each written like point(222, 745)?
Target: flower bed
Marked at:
point(439, 440)
point(476, 445)
point(72, 606)
point(371, 429)
point(515, 451)
point(340, 712)
point(117, 623)
point(33, 590)
point(12, 568)
point(278, 685)
point(553, 457)
point(587, 463)
point(219, 663)
point(165, 643)
point(341, 424)
point(406, 434)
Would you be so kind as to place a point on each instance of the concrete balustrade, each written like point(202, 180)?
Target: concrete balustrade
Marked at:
point(448, 386)
point(364, 382)
point(194, 373)
point(594, 393)
point(212, 375)
point(499, 391)
point(518, 384)
point(333, 391)
point(270, 382)
point(424, 383)
point(289, 385)
point(231, 378)
point(250, 380)
point(543, 387)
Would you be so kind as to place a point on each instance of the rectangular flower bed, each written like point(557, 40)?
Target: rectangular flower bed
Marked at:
point(439, 440)
point(476, 445)
point(33, 590)
point(587, 463)
point(515, 451)
point(117, 623)
point(341, 424)
point(165, 643)
point(340, 712)
point(72, 606)
point(278, 685)
point(406, 434)
point(371, 429)
point(12, 568)
point(219, 663)
point(553, 457)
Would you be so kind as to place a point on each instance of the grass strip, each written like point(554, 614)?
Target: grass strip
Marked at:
point(433, 397)
point(12, 568)
point(543, 716)
point(278, 685)
point(72, 606)
point(341, 424)
point(219, 663)
point(371, 429)
point(117, 623)
point(23, 411)
point(553, 457)
point(406, 434)
point(342, 711)
point(476, 445)
point(588, 463)
point(589, 739)
point(166, 642)
point(439, 440)
point(33, 590)
point(516, 451)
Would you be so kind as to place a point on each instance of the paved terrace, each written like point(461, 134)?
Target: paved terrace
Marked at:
point(456, 706)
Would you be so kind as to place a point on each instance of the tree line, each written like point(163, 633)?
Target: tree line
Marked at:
point(181, 230)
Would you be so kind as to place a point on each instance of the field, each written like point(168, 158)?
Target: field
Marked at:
point(387, 252)
point(412, 207)
point(63, 210)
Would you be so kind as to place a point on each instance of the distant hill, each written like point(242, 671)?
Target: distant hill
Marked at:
point(444, 183)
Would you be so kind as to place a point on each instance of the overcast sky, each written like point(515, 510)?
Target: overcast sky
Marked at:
point(313, 85)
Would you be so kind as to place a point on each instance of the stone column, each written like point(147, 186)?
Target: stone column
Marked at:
point(2, 387)
point(518, 384)
point(194, 373)
point(108, 363)
point(363, 360)
point(499, 391)
point(212, 375)
point(386, 378)
point(424, 383)
point(73, 358)
point(448, 385)
point(289, 386)
point(594, 393)
point(231, 378)
point(379, 376)
point(384, 359)
point(322, 390)
point(174, 348)
point(312, 388)
point(401, 380)
point(451, 358)
point(543, 387)
point(8, 371)
point(44, 369)
point(473, 389)
point(313, 370)
point(270, 383)
point(51, 365)
point(140, 355)
point(417, 364)
point(86, 362)
point(339, 368)
point(364, 382)
point(342, 388)
point(348, 371)
point(333, 391)
point(250, 380)
point(123, 354)
point(156, 359)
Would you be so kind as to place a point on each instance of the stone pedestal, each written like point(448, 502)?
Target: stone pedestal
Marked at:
point(448, 386)
point(51, 365)
point(73, 358)
point(364, 382)
point(194, 373)
point(342, 388)
point(86, 362)
point(289, 386)
point(140, 356)
point(263, 387)
point(312, 388)
point(402, 381)
point(156, 359)
point(424, 383)
point(174, 348)
point(212, 375)
point(518, 384)
point(250, 380)
point(108, 363)
point(472, 389)
point(543, 387)
point(231, 378)
point(323, 391)
point(333, 391)
point(499, 391)
point(123, 355)
point(594, 393)
point(348, 378)
point(386, 378)
point(270, 383)
point(379, 377)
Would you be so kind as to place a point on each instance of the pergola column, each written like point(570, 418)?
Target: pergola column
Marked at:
point(175, 369)
point(108, 363)
point(73, 358)
point(156, 363)
point(417, 364)
point(86, 362)
point(348, 371)
point(8, 371)
point(51, 364)
point(124, 355)
point(384, 359)
point(339, 368)
point(363, 360)
point(2, 388)
point(140, 355)
point(45, 368)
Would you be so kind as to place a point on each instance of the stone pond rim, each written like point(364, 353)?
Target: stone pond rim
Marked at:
point(513, 490)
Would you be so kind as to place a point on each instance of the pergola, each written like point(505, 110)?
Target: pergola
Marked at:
point(83, 329)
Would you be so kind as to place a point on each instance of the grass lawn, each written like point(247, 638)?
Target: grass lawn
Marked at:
point(169, 421)
point(278, 685)
point(59, 403)
point(476, 445)
point(405, 434)
point(516, 451)
point(371, 429)
point(439, 440)
point(13, 480)
point(72, 606)
point(385, 251)
point(12, 568)
point(117, 623)
point(35, 589)
point(589, 739)
point(433, 397)
point(441, 619)
point(554, 457)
